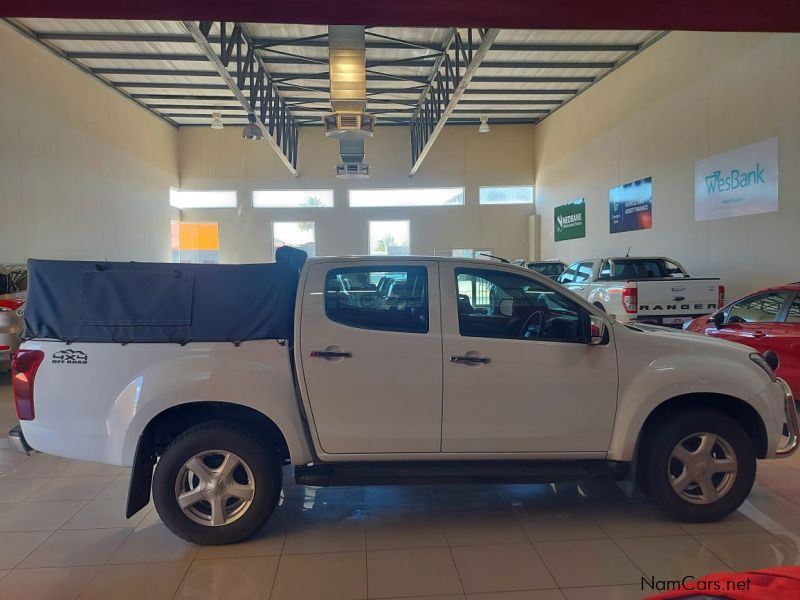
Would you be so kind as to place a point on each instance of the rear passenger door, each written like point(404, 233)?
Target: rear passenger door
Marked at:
point(371, 354)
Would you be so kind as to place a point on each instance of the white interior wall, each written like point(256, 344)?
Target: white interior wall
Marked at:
point(461, 157)
point(84, 172)
point(689, 96)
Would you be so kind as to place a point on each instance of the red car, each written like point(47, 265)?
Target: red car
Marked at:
point(765, 320)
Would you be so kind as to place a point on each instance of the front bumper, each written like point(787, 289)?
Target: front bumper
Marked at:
point(791, 428)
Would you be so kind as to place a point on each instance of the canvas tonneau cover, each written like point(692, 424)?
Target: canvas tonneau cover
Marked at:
point(130, 302)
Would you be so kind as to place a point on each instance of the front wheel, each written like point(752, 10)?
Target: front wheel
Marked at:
point(699, 466)
point(216, 483)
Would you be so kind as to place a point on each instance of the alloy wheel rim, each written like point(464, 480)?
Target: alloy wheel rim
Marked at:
point(215, 488)
point(702, 468)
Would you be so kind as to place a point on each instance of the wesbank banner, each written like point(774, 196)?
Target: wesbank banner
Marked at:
point(570, 221)
point(740, 182)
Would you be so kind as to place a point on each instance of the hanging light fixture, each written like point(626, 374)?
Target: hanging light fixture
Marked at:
point(252, 131)
point(484, 126)
point(216, 120)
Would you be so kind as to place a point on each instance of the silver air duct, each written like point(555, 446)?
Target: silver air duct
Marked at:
point(349, 123)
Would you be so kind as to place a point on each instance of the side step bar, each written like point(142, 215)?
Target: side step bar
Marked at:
point(450, 472)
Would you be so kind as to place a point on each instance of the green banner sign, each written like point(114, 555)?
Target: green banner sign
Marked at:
point(570, 221)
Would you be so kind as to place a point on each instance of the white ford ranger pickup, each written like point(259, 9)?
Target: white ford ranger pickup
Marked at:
point(407, 370)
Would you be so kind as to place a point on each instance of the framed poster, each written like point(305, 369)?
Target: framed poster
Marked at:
point(630, 206)
point(569, 220)
point(740, 182)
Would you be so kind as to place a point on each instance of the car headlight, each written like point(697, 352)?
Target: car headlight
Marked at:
point(759, 360)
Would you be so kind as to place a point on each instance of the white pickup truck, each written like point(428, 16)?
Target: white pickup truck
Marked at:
point(410, 370)
point(653, 290)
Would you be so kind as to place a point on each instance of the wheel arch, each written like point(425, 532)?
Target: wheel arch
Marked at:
point(174, 420)
point(739, 410)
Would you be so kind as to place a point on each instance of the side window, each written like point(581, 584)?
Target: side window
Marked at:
point(756, 309)
point(382, 298)
point(673, 270)
point(793, 316)
point(568, 276)
point(497, 304)
point(605, 270)
point(584, 272)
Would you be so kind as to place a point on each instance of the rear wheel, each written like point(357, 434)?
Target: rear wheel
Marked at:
point(216, 483)
point(699, 466)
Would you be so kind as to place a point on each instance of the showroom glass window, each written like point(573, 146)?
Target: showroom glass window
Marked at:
point(383, 198)
point(292, 198)
point(183, 199)
point(389, 238)
point(506, 194)
point(383, 298)
point(757, 309)
point(497, 304)
point(298, 234)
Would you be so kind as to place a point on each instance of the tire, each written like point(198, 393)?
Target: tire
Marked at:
point(672, 484)
point(245, 496)
point(600, 306)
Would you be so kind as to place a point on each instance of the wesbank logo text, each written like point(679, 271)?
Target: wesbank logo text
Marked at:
point(735, 180)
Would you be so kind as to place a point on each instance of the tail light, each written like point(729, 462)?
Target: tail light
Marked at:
point(11, 304)
point(720, 296)
point(630, 299)
point(23, 372)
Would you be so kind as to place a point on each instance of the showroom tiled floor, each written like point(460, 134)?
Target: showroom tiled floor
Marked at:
point(63, 535)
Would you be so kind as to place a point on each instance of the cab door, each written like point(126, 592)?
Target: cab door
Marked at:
point(370, 349)
point(518, 373)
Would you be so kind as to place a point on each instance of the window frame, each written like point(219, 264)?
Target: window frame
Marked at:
point(386, 268)
point(583, 313)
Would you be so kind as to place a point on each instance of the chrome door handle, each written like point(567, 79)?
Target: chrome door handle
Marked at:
point(329, 354)
point(469, 360)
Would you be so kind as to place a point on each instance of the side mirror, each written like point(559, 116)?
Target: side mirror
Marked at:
point(719, 319)
point(597, 330)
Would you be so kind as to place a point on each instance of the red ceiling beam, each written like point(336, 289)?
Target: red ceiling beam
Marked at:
point(704, 15)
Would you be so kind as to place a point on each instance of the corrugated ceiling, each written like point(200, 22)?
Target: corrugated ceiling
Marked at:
point(525, 76)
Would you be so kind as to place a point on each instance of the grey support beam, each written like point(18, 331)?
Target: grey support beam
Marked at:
point(251, 84)
point(320, 41)
point(461, 59)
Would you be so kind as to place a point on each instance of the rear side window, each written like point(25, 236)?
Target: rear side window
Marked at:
point(793, 315)
point(757, 309)
point(584, 272)
point(568, 276)
point(381, 298)
point(641, 268)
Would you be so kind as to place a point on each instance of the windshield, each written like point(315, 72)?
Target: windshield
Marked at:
point(552, 270)
point(639, 268)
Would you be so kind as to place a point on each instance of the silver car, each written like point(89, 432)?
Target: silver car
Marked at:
point(13, 286)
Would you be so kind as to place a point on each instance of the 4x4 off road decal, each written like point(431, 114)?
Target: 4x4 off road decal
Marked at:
point(70, 357)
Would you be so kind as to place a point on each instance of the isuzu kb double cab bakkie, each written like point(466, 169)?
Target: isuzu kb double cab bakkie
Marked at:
point(395, 370)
